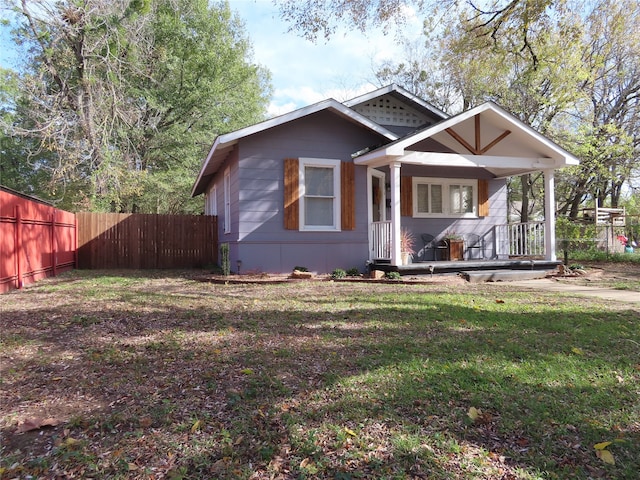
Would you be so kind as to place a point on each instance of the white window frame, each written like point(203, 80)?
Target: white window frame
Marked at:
point(320, 163)
point(227, 201)
point(446, 184)
point(212, 201)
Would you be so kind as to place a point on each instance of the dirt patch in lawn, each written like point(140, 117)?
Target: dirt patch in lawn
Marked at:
point(619, 275)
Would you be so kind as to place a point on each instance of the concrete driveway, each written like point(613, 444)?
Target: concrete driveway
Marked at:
point(551, 285)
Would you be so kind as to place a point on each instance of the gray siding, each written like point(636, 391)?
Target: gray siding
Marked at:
point(264, 243)
point(258, 237)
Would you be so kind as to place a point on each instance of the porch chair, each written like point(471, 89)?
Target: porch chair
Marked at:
point(473, 242)
point(439, 248)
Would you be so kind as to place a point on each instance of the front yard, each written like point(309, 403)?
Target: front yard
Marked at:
point(157, 375)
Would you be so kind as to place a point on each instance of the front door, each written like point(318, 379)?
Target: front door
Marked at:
point(378, 196)
point(379, 228)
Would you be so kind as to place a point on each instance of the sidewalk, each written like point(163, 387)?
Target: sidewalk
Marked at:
point(550, 285)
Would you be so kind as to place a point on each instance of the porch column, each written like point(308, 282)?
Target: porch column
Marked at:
point(549, 215)
point(395, 213)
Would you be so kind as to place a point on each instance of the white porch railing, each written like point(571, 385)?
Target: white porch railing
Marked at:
point(521, 239)
point(380, 240)
point(512, 240)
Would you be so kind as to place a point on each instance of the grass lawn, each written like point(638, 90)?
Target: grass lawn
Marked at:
point(155, 375)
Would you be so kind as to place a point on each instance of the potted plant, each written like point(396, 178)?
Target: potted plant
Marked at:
point(407, 244)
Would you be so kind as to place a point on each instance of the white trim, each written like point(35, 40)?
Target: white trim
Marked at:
point(224, 143)
point(372, 172)
point(396, 256)
point(481, 161)
point(399, 148)
point(227, 200)
point(320, 163)
point(211, 205)
point(549, 215)
point(446, 184)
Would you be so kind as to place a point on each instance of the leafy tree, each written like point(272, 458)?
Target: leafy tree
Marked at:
point(491, 19)
point(125, 96)
point(464, 68)
point(569, 69)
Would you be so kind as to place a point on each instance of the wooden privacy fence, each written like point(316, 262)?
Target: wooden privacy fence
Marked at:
point(36, 240)
point(131, 240)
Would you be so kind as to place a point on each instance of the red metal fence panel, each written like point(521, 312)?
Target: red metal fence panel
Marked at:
point(36, 240)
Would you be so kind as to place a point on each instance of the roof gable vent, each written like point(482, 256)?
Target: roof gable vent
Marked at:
point(386, 110)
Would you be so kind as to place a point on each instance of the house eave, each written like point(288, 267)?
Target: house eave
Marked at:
point(223, 144)
point(550, 155)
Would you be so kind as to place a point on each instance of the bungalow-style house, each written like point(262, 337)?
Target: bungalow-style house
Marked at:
point(336, 185)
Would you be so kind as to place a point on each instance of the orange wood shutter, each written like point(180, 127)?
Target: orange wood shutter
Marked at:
point(291, 195)
point(483, 198)
point(406, 196)
point(348, 194)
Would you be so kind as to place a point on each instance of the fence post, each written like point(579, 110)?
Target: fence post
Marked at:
point(18, 243)
point(54, 260)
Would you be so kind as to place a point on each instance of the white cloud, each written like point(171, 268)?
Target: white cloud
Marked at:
point(305, 72)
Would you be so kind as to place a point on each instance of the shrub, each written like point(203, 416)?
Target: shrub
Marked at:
point(353, 272)
point(392, 276)
point(225, 263)
point(338, 273)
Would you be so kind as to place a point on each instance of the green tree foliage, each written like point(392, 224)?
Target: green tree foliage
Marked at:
point(124, 97)
point(569, 68)
point(491, 19)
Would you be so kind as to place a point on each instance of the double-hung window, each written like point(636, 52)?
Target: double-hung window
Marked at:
point(211, 207)
point(440, 197)
point(319, 194)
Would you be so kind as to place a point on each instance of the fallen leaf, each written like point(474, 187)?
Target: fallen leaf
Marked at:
point(70, 442)
point(247, 371)
point(145, 422)
point(577, 351)
point(602, 445)
point(132, 467)
point(474, 413)
point(350, 432)
point(499, 301)
point(606, 456)
point(196, 426)
point(36, 423)
point(305, 462)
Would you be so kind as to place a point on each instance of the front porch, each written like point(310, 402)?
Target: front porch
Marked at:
point(448, 183)
point(505, 252)
point(524, 241)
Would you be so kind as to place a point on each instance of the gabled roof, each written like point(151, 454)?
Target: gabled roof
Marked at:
point(224, 144)
point(485, 136)
point(401, 94)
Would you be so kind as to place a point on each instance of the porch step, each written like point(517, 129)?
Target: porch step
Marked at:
point(479, 276)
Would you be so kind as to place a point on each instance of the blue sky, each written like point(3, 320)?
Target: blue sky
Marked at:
point(303, 72)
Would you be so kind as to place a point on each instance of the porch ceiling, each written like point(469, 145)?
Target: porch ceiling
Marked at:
point(485, 137)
